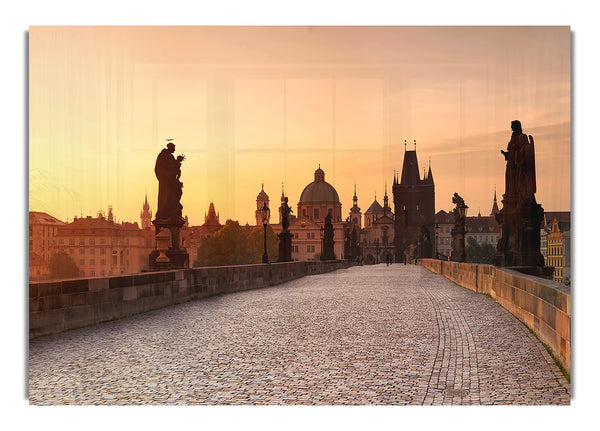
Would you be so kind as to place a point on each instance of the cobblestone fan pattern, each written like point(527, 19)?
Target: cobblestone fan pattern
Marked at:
point(365, 335)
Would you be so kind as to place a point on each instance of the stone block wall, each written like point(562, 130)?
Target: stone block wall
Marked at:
point(69, 304)
point(543, 305)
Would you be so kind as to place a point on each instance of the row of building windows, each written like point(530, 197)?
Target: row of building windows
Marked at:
point(92, 251)
point(92, 262)
point(92, 241)
point(555, 251)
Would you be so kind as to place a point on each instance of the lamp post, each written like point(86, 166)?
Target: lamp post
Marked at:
point(322, 232)
point(265, 217)
point(462, 210)
point(437, 231)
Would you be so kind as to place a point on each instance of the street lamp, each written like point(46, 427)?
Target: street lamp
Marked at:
point(437, 232)
point(266, 212)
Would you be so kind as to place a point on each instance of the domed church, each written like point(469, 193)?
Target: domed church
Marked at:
point(318, 198)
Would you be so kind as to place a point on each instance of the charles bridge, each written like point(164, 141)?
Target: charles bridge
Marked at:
point(326, 332)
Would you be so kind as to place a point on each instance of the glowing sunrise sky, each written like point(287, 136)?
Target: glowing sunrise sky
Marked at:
point(247, 104)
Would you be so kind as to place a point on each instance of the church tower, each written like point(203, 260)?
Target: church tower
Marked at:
point(414, 207)
point(146, 214)
point(386, 206)
point(355, 214)
point(261, 200)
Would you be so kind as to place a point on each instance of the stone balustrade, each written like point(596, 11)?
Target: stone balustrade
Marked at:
point(58, 306)
point(543, 305)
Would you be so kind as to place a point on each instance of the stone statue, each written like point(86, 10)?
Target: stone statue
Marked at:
point(169, 211)
point(285, 214)
point(457, 253)
point(520, 163)
point(285, 237)
point(521, 216)
point(168, 172)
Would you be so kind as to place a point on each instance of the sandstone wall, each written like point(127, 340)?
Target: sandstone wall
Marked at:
point(68, 304)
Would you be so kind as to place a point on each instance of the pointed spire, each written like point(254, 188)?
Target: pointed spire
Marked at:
point(386, 206)
point(495, 209)
point(415, 145)
point(429, 174)
point(405, 145)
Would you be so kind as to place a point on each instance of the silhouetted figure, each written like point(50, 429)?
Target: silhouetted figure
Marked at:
point(168, 172)
point(169, 212)
point(521, 217)
point(285, 237)
point(458, 231)
point(285, 214)
point(328, 253)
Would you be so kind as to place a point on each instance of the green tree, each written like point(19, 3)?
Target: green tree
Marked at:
point(62, 266)
point(232, 246)
point(479, 253)
point(256, 241)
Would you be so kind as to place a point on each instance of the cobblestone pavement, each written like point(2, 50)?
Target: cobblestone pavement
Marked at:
point(365, 335)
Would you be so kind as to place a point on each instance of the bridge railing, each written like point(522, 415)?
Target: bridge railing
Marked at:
point(69, 304)
point(543, 305)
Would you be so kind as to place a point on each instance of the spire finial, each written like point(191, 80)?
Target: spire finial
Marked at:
point(263, 185)
point(405, 145)
point(415, 144)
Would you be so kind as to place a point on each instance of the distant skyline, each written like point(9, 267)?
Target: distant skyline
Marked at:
point(253, 104)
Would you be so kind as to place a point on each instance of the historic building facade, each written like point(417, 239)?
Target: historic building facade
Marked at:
point(414, 209)
point(316, 200)
point(101, 247)
point(556, 244)
point(42, 230)
point(377, 237)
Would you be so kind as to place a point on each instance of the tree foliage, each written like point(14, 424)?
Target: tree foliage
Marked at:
point(62, 266)
point(479, 253)
point(231, 245)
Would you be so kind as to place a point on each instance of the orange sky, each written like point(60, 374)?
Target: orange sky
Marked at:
point(247, 104)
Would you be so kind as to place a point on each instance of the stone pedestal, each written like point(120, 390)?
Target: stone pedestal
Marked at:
point(178, 256)
point(520, 223)
point(546, 272)
point(285, 246)
point(328, 253)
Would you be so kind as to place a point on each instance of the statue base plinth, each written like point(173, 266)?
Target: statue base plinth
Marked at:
point(285, 246)
point(537, 271)
point(178, 259)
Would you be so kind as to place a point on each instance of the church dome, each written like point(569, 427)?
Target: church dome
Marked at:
point(262, 196)
point(319, 190)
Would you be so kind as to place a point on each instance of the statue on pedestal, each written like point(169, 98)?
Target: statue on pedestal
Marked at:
point(285, 237)
point(169, 213)
point(521, 216)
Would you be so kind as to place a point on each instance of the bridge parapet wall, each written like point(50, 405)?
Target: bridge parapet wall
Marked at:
point(543, 305)
point(69, 304)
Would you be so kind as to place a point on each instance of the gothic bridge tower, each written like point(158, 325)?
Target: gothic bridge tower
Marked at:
point(414, 207)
